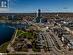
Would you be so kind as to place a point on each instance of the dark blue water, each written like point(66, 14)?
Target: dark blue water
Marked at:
point(19, 26)
point(5, 33)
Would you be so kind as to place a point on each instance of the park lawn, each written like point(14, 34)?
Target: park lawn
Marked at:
point(28, 35)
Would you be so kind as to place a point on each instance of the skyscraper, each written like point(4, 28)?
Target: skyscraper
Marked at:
point(4, 3)
point(39, 13)
point(39, 18)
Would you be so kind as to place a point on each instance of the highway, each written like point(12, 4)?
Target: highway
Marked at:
point(52, 43)
point(56, 38)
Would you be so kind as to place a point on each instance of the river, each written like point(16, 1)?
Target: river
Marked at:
point(5, 33)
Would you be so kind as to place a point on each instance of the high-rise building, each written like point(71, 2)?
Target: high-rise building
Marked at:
point(4, 3)
point(39, 18)
point(39, 13)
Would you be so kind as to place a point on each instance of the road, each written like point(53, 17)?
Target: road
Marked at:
point(52, 43)
point(56, 38)
point(12, 41)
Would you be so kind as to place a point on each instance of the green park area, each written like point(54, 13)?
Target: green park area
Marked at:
point(30, 36)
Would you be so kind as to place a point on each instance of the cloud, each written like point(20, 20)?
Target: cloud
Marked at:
point(65, 8)
point(4, 10)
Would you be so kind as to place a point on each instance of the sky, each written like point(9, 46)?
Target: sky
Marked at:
point(44, 5)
